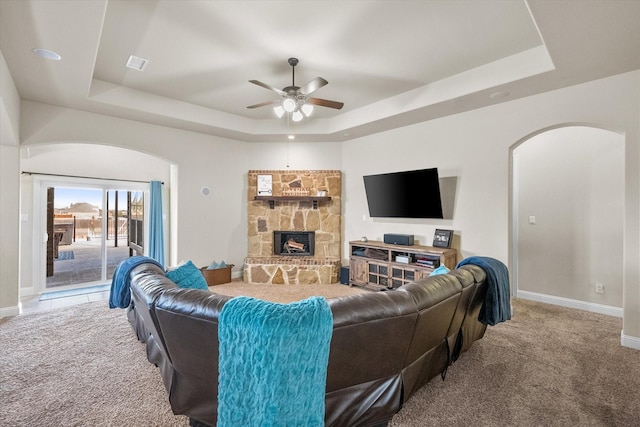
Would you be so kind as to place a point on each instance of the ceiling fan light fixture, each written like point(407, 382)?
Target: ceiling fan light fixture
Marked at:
point(296, 116)
point(289, 105)
point(279, 110)
point(307, 109)
point(296, 100)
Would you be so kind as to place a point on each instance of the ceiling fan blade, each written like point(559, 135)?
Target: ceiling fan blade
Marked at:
point(262, 104)
point(266, 86)
point(312, 86)
point(326, 103)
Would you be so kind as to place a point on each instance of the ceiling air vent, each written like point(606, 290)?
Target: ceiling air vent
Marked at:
point(136, 63)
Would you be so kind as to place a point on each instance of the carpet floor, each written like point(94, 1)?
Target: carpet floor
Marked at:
point(548, 366)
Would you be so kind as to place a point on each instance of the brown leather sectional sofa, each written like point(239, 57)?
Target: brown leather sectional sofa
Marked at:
point(384, 347)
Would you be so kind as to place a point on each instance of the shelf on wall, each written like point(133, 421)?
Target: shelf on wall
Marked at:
point(273, 199)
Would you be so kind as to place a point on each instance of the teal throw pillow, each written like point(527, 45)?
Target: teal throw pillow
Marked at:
point(214, 265)
point(188, 276)
point(440, 270)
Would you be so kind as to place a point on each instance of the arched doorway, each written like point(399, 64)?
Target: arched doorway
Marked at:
point(567, 210)
point(78, 165)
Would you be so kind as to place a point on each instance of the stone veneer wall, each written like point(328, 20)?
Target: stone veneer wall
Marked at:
point(261, 266)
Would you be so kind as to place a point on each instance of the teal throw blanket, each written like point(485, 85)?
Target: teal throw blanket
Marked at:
point(496, 307)
point(120, 295)
point(273, 362)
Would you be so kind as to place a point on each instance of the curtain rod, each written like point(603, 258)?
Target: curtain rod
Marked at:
point(85, 177)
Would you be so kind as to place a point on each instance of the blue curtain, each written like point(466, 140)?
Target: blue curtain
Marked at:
point(156, 237)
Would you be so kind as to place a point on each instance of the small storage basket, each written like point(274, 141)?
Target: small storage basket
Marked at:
point(217, 276)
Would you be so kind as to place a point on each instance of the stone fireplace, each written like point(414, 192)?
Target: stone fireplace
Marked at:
point(305, 206)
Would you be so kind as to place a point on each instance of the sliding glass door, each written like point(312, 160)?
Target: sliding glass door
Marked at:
point(88, 231)
point(74, 229)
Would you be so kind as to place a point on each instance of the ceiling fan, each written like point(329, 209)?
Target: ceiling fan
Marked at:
point(296, 100)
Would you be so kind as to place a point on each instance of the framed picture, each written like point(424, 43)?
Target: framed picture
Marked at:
point(442, 238)
point(265, 185)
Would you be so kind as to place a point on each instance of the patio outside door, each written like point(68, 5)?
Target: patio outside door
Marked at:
point(87, 232)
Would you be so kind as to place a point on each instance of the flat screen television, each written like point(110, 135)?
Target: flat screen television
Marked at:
point(408, 194)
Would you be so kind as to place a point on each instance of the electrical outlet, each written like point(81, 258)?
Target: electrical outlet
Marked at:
point(599, 288)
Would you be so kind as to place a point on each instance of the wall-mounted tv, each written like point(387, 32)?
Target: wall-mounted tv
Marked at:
point(408, 194)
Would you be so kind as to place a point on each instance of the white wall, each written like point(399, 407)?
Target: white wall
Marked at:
point(92, 160)
point(208, 227)
point(295, 155)
point(475, 147)
point(9, 107)
point(572, 181)
point(9, 191)
point(79, 159)
point(9, 220)
point(459, 146)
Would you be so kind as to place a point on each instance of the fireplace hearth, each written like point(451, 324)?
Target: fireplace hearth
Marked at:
point(294, 243)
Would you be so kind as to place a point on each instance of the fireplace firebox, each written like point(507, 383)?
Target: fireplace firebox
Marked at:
point(294, 243)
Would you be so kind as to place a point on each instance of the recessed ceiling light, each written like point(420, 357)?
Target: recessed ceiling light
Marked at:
point(291, 137)
point(47, 54)
point(136, 63)
point(499, 94)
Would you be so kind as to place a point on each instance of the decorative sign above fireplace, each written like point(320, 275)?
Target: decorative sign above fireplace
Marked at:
point(294, 243)
point(265, 185)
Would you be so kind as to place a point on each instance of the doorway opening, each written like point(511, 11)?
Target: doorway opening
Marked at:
point(90, 231)
point(567, 210)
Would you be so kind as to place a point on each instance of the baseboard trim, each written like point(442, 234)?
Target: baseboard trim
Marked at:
point(27, 291)
point(629, 341)
point(571, 303)
point(9, 311)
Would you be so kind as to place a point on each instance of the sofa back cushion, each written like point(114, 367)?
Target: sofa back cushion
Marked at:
point(437, 298)
point(147, 283)
point(188, 319)
point(146, 288)
point(371, 336)
point(146, 297)
point(454, 334)
point(472, 329)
